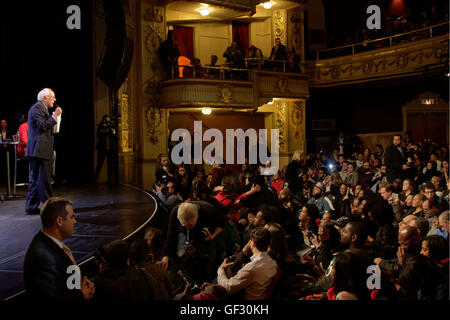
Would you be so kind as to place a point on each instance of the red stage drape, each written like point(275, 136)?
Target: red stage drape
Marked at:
point(240, 35)
point(184, 36)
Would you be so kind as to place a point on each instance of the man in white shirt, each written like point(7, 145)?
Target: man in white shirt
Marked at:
point(256, 276)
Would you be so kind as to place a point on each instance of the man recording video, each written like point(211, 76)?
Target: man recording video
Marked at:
point(107, 148)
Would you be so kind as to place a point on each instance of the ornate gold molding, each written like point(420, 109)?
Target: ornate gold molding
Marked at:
point(154, 114)
point(279, 25)
point(387, 62)
point(281, 123)
point(295, 31)
point(297, 119)
point(225, 93)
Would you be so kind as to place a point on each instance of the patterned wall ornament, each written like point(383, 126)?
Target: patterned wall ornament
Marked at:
point(154, 114)
point(295, 30)
point(297, 118)
point(282, 84)
point(337, 69)
point(281, 123)
point(225, 93)
point(154, 117)
point(279, 25)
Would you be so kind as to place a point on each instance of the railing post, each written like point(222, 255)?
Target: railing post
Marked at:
point(390, 41)
point(173, 72)
point(317, 54)
point(353, 48)
point(284, 66)
point(259, 63)
point(431, 32)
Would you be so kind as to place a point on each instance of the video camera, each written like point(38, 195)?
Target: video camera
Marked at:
point(195, 286)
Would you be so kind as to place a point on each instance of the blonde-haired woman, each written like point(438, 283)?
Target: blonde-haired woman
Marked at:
point(294, 170)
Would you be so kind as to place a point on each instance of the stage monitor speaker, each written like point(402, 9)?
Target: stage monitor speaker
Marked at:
point(116, 61)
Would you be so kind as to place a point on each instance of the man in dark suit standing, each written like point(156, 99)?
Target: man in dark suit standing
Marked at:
point(48, 258)
point(40, 149)
point(278, 53)
point(394, 159)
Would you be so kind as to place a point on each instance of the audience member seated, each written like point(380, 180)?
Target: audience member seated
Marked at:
point(255, 277)
point(117, 279)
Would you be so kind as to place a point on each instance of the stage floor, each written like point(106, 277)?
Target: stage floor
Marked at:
point(104, 213)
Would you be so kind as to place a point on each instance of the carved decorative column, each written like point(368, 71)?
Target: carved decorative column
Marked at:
point(297, 128)
point(279, 20)
point(295, 31)
point(154, 133)
point(127, 168)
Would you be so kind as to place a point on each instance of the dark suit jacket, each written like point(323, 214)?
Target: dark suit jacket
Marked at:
point(40, 137)
point(394, 161)
point(281, 53)
point(45, 271)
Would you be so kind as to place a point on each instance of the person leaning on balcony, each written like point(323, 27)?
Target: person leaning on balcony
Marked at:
point(278, 53)
point(253, 53)
point(169, 53)
point(212, 73)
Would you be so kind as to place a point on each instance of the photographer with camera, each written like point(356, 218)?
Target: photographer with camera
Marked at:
point(193, 227)
point(167, 193)
point(256, 276)
point(107, 147)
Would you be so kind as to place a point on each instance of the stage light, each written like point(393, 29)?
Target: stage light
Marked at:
point(267, 5)
point(270, 102)
point(206, 111)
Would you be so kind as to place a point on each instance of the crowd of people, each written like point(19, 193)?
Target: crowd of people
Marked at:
point(236, 57)
point(309, 231)
point(395, 25)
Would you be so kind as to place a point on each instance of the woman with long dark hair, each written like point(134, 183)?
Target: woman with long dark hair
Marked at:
point(349, 277)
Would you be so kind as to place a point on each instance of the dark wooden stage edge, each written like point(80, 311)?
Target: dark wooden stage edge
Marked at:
point(104, 213)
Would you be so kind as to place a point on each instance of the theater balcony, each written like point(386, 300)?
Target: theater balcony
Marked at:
point(411, 54)
point(233, 88)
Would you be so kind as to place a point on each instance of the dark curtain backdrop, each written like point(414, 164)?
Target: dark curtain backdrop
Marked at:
point(240, 35)
point(184, 36)
point(37, 51)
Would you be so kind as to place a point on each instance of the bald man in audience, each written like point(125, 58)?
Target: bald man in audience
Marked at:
point(420, 223)
point(410, 243)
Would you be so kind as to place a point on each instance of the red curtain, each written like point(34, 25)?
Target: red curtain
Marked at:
point(184, 36)
point(240, 35)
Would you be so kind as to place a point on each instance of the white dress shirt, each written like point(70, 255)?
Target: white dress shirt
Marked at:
point(255, 277)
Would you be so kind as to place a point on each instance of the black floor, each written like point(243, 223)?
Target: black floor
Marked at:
point(103, 213)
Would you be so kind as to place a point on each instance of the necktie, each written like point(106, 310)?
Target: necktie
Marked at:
point(69, 253)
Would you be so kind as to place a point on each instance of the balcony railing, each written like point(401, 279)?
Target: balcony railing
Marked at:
point(225, 72)
point(419, 34)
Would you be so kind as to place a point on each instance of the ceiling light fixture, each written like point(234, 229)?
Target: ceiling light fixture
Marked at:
point(206, 111)
point(204, 10)
point(267, 5)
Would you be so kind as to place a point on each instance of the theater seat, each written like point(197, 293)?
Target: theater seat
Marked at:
point(273, 284)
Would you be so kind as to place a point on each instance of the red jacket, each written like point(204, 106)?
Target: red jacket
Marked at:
point(23, 133)
point(278, 185)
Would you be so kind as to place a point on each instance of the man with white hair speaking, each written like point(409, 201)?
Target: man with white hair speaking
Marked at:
point(40, 149)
